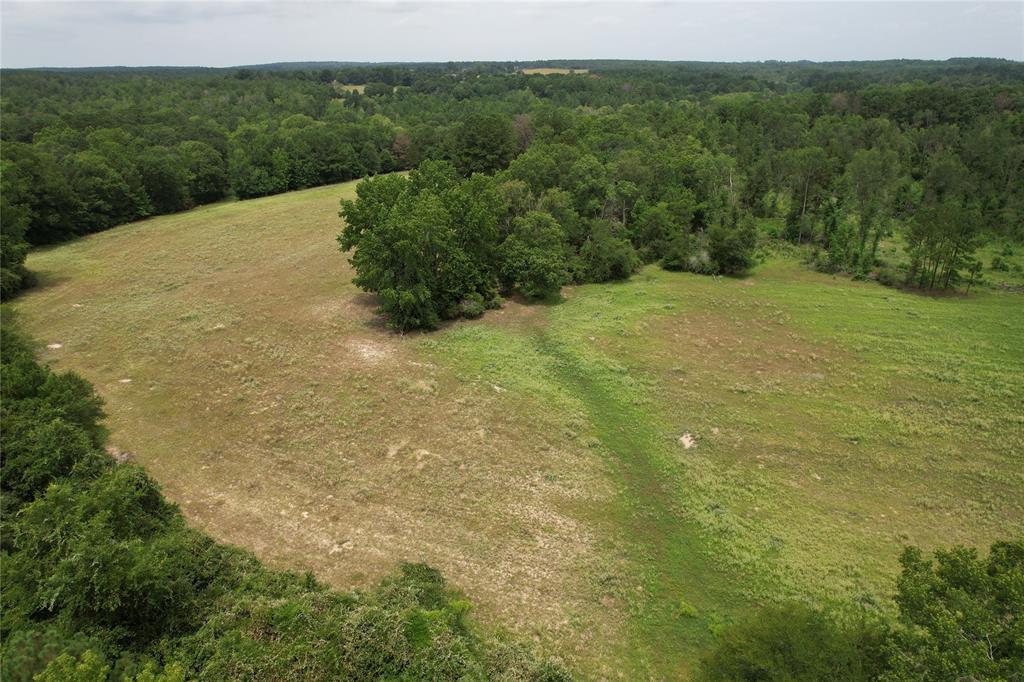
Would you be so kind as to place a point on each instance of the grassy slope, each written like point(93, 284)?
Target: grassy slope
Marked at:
point(534, 455)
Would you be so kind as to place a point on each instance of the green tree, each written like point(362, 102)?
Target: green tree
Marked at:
point(165, 178)
point(652, 231)
point(870, 179)
point(606, 256)
point(731, 248)
point(15, 216)
point(942, 239)
point(104, 198)
point(207, 171)
point(806, 170)
point(533, 256)
point(961, 615)
point(423, 244)
point(483, 143)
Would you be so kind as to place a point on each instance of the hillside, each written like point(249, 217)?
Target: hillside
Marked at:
point(584, 471)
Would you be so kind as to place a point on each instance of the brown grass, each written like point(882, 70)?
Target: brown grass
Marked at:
point(545, 71)
point(270, 403)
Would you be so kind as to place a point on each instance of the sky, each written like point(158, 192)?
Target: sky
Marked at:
point(236, 32)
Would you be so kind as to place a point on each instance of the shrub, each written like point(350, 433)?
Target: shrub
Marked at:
point(999, 264)
point(678, 252)
point(472, 306)
point(607, 257)
point(731, 249)
point(888, 275)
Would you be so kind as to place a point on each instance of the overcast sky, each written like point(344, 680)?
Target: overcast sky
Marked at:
point(233, 32)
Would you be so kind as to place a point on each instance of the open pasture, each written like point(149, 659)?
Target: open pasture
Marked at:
point(547, 71)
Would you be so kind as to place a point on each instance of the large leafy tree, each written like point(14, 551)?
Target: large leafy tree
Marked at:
point(962, 615)
point(422, 243)
point(871, 180)
point(806, 171)
point(533, 257)
point(483, 143)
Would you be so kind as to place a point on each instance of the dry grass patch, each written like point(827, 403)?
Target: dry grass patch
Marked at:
point(549, 71)
point(269, 401)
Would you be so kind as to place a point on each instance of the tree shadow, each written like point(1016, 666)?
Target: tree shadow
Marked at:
point(40, 281)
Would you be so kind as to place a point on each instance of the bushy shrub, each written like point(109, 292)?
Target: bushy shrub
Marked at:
point(678, 251)
point(999, 265)
point(731, 249)
point(607, 257)
point(472, 306)
point(889, 275)
point(688, 252)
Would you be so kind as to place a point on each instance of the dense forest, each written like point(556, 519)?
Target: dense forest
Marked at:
point(628, 163)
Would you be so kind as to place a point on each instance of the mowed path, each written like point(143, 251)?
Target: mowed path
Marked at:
point(614, 476)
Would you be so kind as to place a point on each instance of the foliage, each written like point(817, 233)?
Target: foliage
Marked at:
point(959, 618)
point(731, 248)
point(606, 256)
point(87, 150)
point(533, 255)
point(423, 243)
point(961, 615)
point(483, 143)
point(15, 221)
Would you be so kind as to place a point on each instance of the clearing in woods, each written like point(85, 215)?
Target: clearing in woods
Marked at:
point(547, 71)
point(613, 476)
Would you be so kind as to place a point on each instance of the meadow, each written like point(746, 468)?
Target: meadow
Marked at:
point(615, 474)
point(550, 71)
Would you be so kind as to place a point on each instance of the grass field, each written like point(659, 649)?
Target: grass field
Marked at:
point(346, 87)
point(547, 71)
point(613, 476)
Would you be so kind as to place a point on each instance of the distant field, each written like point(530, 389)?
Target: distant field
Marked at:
point(585, 470)
point(550, 71)
point(344, 87)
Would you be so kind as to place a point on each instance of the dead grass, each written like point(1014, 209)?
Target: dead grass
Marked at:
point(546, 71)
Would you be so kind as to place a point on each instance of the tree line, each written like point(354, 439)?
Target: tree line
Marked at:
point(837, 157)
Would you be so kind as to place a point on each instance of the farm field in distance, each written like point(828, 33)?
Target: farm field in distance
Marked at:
point(615, 475)
point(550, 71)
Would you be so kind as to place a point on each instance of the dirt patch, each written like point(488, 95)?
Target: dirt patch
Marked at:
point(370, 351)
